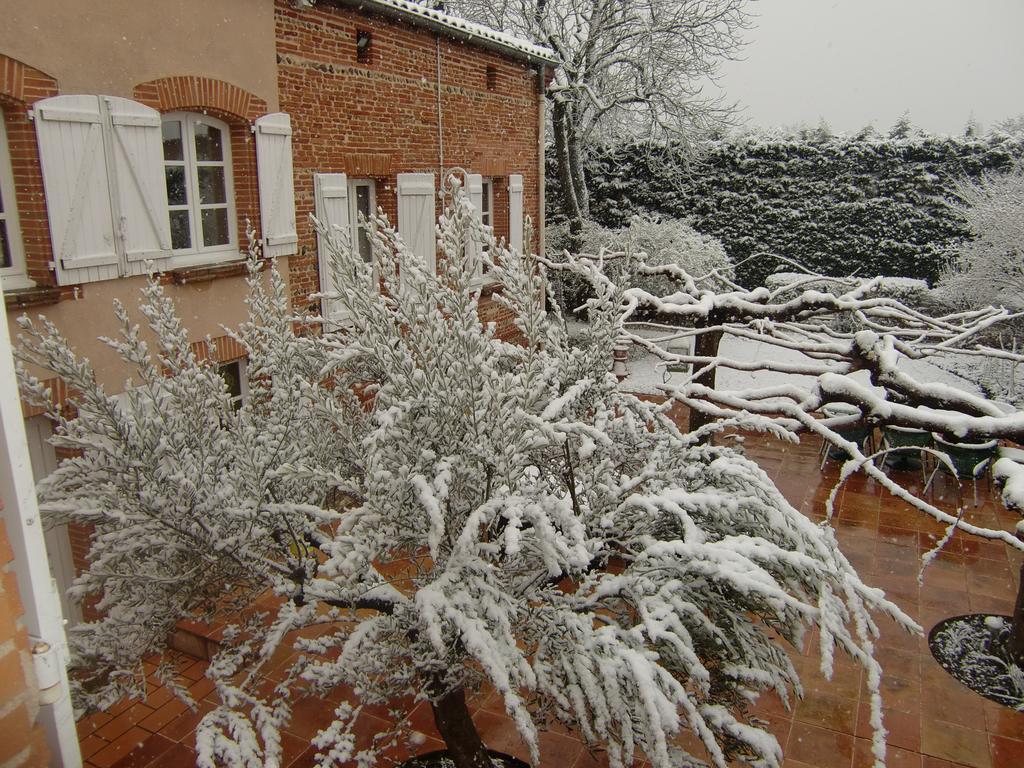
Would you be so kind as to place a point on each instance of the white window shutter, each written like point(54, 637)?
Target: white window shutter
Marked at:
point(416, 221)
point(475, 190)
point(330, 194)
point(137, 182)
point(277, 189)
point(73, 156)
point(515, 212)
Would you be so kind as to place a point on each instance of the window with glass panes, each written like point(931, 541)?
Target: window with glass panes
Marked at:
point(487, 205)
point(487, 219)
point(12, 260)
point(233, 374)
point(361, 199)
point(197, 168)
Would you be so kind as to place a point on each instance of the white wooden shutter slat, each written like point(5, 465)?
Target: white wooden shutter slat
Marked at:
point(277, 190)
point(330, 199)
point(67, 114)
point(69, 134)
point(139, 182)
point(125, 118)
point(416, 216)
point(515, 212)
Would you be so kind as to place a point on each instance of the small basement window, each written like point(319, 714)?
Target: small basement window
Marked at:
point(492, 78)
point(364, 41)
point(233, 374)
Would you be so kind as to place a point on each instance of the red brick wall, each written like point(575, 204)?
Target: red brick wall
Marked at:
point(345, 112)
point(22, 741)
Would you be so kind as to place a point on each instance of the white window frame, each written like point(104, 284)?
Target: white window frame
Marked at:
point(199, 254)
point(353, 219)
point(487, 219)
point(243, 380)
point(487, 213)
point(14, 276)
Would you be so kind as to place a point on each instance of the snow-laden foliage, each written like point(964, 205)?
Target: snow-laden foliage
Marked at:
point(867, 204)
point(190, 512)
point(511, 519)
point(662, 241)
point(989, 267)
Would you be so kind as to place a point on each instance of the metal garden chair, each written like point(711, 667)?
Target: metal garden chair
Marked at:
point(906, 438)
point(860, 433)
point(970, 461)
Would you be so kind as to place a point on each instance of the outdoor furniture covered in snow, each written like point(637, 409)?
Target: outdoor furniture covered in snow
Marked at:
point(682, 346)
point(1008, 472)
point(857, 432)
point(902, 442)
point(970, 460)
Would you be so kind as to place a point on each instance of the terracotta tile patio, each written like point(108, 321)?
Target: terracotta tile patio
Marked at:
point(933, 721)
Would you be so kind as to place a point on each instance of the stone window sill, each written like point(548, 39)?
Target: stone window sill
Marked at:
point(207, 273)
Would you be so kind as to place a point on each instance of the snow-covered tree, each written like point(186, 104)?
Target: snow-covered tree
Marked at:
point(989, 267)
point(626, 70)
point(510, 518)
point(1011, 125)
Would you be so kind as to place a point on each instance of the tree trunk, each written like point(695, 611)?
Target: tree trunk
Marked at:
point(1016, 642)
point(576, 164)
point(560, 119)
point(706, 346)
point(455, 724)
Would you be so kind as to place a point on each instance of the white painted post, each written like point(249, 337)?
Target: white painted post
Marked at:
point(38, 590)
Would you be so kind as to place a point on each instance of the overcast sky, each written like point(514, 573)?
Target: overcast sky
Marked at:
point(854, 62)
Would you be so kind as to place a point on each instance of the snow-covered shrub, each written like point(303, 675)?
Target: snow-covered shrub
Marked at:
point(656, 242)
point(516, 520)
point(989, 267)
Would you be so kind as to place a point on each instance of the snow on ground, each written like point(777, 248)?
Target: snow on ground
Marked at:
point(647, 374)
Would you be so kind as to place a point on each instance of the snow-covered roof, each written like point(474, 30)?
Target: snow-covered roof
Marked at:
point(453, 26)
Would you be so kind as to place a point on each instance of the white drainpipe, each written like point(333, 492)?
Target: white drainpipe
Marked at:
point(38, 590)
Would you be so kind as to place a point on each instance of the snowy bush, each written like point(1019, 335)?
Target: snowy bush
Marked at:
point(655, 242)
point(515, 520)
point(872, 203)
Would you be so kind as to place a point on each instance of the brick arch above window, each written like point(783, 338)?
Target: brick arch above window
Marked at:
point(22, 84)
point(190, 93)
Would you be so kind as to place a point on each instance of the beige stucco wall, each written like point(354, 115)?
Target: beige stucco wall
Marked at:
point(203, 307)
point(109, 46)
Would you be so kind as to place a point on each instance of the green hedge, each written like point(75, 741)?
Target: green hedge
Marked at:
point(865, 204)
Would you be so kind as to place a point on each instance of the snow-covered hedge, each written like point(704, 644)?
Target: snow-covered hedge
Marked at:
point(840, 204)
